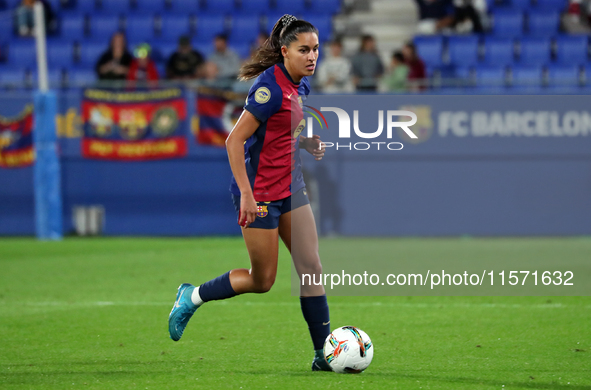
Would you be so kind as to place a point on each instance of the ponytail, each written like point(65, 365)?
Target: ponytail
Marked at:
point(285, 31)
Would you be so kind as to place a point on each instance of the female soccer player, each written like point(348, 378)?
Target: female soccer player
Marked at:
point(267, 188)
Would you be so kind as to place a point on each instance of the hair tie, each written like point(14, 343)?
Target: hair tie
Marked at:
point(287, 20)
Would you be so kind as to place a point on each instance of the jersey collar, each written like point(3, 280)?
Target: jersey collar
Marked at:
point(286, 73)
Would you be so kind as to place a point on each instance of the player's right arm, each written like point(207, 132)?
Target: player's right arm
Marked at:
point(245, 127)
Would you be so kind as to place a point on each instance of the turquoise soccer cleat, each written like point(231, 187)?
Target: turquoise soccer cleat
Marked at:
point(181, 312)
point(319, 364)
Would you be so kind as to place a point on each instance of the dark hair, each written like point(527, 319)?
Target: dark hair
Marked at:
point(398, 56)
point(285, 31)
point(223, 36)
point(412, 47)
point(364, 39)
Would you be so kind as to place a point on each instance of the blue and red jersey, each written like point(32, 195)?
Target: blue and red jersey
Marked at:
point(272, 153)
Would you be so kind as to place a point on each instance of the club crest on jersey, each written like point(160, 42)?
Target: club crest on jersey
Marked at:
point(299, 129)
point(262, 211)
point(301, 103)
point(262, 95)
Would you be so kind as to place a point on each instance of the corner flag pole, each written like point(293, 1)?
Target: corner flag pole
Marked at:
point(47, 172)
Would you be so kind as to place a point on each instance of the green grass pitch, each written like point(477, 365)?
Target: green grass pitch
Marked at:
point(92, 314)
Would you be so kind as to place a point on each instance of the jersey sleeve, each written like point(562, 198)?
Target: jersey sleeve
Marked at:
point(264, 98)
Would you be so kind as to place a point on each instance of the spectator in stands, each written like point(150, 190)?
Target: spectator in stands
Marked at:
point(366, 65)
point(114, 63)
point(396, 80)
point(142, 68)
point(26, 21)
point(334, 72)
point(466, 17)
point(435, 16)
point(577, 18)
point(416, 67)
point(226, 60)
point(186, 63)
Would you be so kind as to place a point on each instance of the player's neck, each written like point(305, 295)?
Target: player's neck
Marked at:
point(292, 74)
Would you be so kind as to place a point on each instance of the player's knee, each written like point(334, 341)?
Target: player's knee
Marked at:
point(264, 284)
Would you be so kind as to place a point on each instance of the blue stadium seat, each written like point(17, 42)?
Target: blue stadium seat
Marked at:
point(11, 4)
point(535, 51)
point(527, 75)
point(292, 7)
point(22, 53)
point(208, 26)
point(588, 74)
point(463, 72)
point(270, 18)
point(140, 27)
point(244, 28)
point(323, 23)
point(12, 75)
point(175, 25)
point(184, 6)
point(430, 49)
point(72, 25)
point(56, 5)
point(490, 76)
point(90, 52)
point(60, 53)
point(572, 49)
point(498, 51)
point(325, 7)
point(554, 5)
point(242, 49)
point(81, 76)
point(114, 6)
point(219, 7)
point(205, 48)
point(6, 29)
point(463, 50)
point(103, 26)
point(253, 7)
point(563, 75)
point(507, 23)
point(520, 4)
point(543, 23)
point(85, 6)
point(150, 6)
point(162, 50)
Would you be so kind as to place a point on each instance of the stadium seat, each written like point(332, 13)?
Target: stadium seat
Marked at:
point(6, 30)
point(252, 7)
point(244, 28)
point(498, 51)
point(103, 26)
point(554, 5)
point(150, 6)
point(520, 4)
point(208, 26)
point(490, 76)
point(527, 75)
point(219, 7)
point(56, 5)
point(175, 25)
point(535, 51)
point(54, 76)
point(563, 75)
point(140, 27)
point(22, 53)
point(85, 6)
point(463, 50)
point(184, 6)
point(72, 25)
point(11, 4)
point(205, 48)
point(162, 50)
point(507, 23)
point(80, 76)
point(270, 18)
point(430, 49)
point(543, 23)
point(90, 52)
point(114, 6)
point(572, 49)
point(12, 75)
point(292, 7)
point(242, 49)
point(588, 74)
point(323, 23)
point(463, 72)
point(60, 53)
point(325, 7)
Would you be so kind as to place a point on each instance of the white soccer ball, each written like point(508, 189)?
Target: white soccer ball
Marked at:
point(348, 350)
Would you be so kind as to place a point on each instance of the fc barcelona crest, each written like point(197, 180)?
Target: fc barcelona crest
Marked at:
point(262, 211)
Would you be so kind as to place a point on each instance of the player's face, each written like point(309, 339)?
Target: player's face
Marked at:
point(302, 55)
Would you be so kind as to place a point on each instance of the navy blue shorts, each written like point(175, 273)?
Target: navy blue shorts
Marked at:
point(269, 212)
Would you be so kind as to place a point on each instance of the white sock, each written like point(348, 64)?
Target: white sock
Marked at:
point(196, 298)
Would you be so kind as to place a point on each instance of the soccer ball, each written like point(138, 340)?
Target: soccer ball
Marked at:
point(348, 350)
